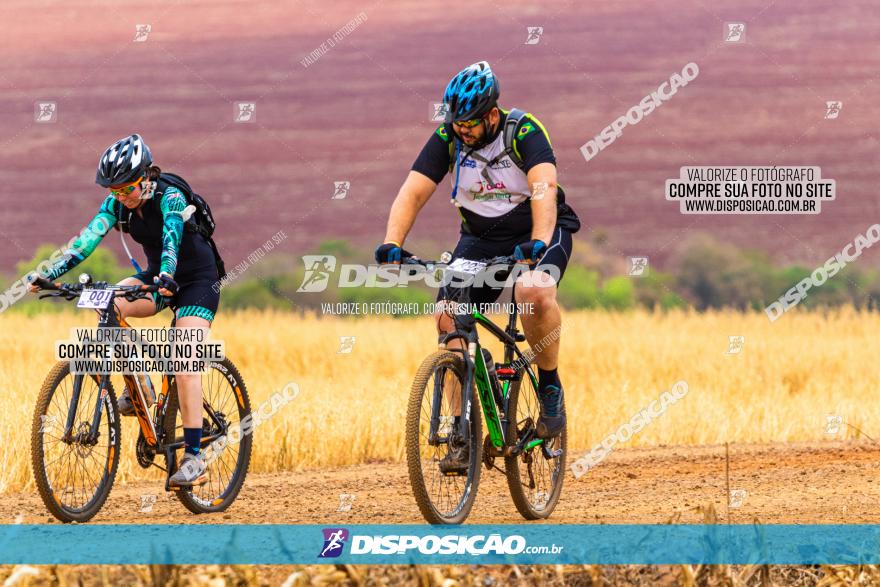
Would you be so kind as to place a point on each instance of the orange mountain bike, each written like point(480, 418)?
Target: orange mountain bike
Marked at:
point(75, 438)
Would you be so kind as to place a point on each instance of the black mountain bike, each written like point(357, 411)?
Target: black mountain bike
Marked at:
point(75, 437)
point(508, 394)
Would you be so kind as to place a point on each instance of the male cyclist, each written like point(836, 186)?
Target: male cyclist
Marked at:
point(509, 203)
point(181, 261)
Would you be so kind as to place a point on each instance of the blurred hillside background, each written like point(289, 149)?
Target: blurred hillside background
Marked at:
point(361, 109)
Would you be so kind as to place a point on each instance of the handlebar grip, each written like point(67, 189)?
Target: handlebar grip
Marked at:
point(43, 283)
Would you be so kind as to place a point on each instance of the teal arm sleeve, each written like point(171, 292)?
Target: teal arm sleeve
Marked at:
point(87, 241)
point(172, 206)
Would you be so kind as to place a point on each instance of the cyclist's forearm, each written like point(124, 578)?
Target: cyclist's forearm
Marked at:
point(544, 218)
point(172, 206)
point(542, 180)
point(83, 245)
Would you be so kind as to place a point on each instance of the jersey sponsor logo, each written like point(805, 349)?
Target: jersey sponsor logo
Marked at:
point(468, 162)
point(502, 164)
point(486, 186)
point(485, 191)
point(492, 196)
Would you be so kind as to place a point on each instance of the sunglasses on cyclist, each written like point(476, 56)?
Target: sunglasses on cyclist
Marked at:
point(125, 190)
point(469, 123)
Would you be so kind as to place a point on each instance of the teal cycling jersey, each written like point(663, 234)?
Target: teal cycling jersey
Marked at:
point(159, 228)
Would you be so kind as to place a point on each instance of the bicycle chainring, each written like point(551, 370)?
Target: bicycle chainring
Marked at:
point(146, 454)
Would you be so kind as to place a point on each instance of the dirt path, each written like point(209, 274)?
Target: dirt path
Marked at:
point(827, 482)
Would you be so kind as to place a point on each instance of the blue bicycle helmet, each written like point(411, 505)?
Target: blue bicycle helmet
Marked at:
point(471, 93)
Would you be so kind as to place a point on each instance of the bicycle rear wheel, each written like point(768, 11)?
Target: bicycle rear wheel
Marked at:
point(534, 476)
point(226, 395)
point(74, 474)
point(442, 499)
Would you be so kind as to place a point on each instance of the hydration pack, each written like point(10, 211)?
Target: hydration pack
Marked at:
point(201, 221)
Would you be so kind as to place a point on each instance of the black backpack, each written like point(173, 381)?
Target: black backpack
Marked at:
point(201, 221)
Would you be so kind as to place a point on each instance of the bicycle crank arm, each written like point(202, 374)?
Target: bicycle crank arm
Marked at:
point(521, 444)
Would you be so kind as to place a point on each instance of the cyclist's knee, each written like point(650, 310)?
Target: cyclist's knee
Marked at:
point(444, 322)
point(138, 308)
point(537, 288)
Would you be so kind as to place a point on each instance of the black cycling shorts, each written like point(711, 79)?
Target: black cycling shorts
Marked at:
point(471, 247)
point(199, 293)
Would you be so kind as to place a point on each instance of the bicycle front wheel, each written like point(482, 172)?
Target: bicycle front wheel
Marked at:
point(74, 461)
point(442, 498)
point(225, 404)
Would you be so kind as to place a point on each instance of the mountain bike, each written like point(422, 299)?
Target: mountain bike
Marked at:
point(76, 436)
point(507, 393)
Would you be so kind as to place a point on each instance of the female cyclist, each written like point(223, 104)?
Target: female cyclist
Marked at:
point(181, 261)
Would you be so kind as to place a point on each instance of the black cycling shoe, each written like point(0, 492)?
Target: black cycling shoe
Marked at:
point(552, 419)
point(456, 461)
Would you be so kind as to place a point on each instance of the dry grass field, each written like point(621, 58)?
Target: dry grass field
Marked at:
point(782, 386)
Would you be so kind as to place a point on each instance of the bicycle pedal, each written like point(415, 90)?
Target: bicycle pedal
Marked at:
point(197, 483)
point(454, 474)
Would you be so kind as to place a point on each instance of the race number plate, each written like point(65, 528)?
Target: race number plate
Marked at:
point(96, 299)
point(466, 266)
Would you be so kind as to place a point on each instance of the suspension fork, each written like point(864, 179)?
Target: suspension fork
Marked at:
point(72, 408)
point(467, 400)
point(107, 318)
point(103, 384)
point(436, 400)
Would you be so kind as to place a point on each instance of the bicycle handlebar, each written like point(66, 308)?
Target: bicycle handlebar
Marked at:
point(69, 291)
point(492, 261)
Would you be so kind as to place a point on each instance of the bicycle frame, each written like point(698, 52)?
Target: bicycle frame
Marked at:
point(152, 428)
point(476, 372)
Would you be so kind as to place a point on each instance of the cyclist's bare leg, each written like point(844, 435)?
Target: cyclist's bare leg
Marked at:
point(542, 326)
point(189, 385)
point(137, 308)
point(451, 387)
